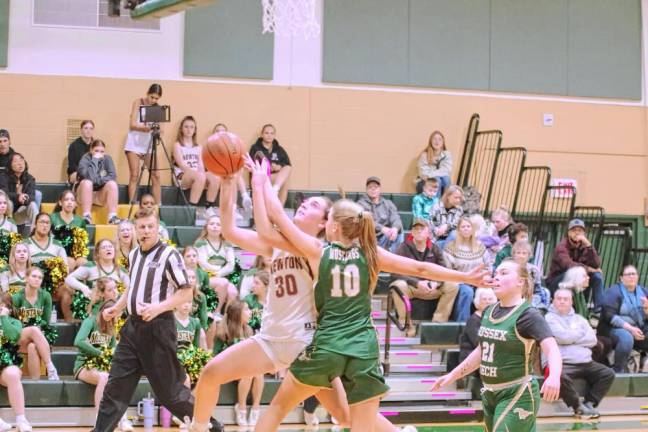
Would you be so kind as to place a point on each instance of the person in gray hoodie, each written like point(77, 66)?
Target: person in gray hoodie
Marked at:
point(389, 227)
point(575, 339)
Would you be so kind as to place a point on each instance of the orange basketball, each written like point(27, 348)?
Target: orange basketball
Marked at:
point(223, 154)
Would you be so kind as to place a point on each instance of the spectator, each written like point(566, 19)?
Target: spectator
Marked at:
point(576, 279)
point(12, 277)
point(468, 340)
point(280, 166)
point(98, 182)
point(576, 250)
point(20, 186)
point(125, 243)
point(188, 166)
point(247, 280)
point(246, 201)
point(422, 203)
point(435, 162)
point(8, 225)
point(6, 155)
point(445, 215)
point(138, 144)
point(624, 317)
point(516, 232)
point(464, 254)
point(437, 298)
point(501, 220)
point(389, 227)
point(63, 221)
point(147, 201)
point(521, 254)
point(78, 148)
point(575, 339)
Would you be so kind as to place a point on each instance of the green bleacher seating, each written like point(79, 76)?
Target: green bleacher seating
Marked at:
point(440, 333)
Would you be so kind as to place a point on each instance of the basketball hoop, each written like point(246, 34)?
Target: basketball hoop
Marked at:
point(290, 18)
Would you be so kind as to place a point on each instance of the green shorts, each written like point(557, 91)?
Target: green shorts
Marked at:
point(512, 409)
point(362, 378)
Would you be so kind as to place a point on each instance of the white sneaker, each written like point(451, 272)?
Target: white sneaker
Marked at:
point(125, 425)
point(241, 416)
point(310, 419)
point(22, 426)
point(52, 374)
point(408, 428)
point(4, 426)
point(254, 416)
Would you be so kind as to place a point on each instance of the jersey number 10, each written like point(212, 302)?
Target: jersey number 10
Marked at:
point(347, 280)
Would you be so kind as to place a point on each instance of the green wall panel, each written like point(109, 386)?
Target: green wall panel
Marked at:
point(605, 48)
point(4, 31)
point(449, 43)
point(529, 46)
point(365, 41)
point(224, 39)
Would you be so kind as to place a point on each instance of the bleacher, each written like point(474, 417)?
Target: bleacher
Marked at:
point(501, 177)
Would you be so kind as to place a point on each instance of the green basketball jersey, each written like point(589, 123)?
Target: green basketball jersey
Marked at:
point(188, 335)
point(343, 302)
point(506, 356)
point(57, 221)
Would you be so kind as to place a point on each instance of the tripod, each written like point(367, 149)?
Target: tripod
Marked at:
point(156, 140)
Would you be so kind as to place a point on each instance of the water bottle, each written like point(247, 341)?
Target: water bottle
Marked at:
point(145, 410)
point(54, 316)
point(165, 417)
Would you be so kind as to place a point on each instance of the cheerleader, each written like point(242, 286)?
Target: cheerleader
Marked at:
point(216, 256)
point(12, 278)
point(6, 222)
point(126, 242)
point(199, 302)
point(63, 222)
point(257, 298)
point(207, 295)
point(232, 329)
point(33, 307)
point(96, 335)
point(10, 373)
point(190, 333)
point(83, 278)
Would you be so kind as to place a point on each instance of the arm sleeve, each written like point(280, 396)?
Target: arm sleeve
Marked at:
point(81, 340)
point(111, 172)
point(588, 338)
point(73, 159)
point(445, 169)
point(611, 307)
point(30, 187)
point(4, 185)
point(47, 306)
point(176, 270)
point(11, 328)
point(423, 168)
point(73, 280)
point(532, 325)
point(592, 258)
point(395, 219)
point(417, 208)
point(410, 280)
point(228, 268)
point(85, 169)
point(562, 258)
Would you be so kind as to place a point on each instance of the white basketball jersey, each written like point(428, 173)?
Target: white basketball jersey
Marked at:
point(289, 312)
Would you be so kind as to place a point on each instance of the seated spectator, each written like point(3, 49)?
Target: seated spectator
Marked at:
point(437, 297)
point(464, 254)
point(278, 157)
point(468, 340)
point(516, 233)
point(98, 182)
point(6, 156)
point(435, 162)
point(389, 227)
point(576, 250)
point(188, 166)
point(522, 254)
point(624, 317)
point(20, 186)
point(125, 242)
point(63, 221)
point(8, 225)
point(78, 148)
point(501, 220)
point(422, 203)
point(575, 339)
point(445, 215)
point(147, 201)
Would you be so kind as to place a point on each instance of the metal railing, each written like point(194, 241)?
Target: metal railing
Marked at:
point(393, 316)
point(639, 258)
point(466, 156)
point(615, 245)
point(509, 163)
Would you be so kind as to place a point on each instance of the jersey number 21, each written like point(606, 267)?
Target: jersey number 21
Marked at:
point(346, 281)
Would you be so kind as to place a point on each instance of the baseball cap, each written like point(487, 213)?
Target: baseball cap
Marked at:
point(4, 133)
point(420, 221)
point(372, 179)
point(575, 223)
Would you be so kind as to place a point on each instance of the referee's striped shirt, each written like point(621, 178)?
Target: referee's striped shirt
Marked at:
point(155, 275)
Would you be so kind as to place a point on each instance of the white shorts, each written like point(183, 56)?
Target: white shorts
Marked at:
point(138, 142)
point(282, 353)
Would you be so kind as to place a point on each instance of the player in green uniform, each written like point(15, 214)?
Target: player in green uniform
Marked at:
point(508, 337)
point(10, 333)
point(345, 343)
point(34, 308)
point(63, 220)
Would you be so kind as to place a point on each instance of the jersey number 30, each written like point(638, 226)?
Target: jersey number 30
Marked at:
point(346, 281)
point(286, 285)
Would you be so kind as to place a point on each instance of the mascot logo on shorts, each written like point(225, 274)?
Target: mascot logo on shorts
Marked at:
point(522, 413)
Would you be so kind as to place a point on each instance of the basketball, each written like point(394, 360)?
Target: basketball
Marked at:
point(223, 154)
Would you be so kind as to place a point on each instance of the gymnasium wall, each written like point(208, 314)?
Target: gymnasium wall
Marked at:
point(336, 135)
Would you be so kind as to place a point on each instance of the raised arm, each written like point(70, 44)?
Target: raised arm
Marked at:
point(246, 239)
point(393, 263)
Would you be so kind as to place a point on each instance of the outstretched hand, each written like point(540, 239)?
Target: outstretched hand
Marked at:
point(259, 170)
point(480, 276)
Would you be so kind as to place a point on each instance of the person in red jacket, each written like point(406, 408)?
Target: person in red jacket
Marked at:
point(576, 250)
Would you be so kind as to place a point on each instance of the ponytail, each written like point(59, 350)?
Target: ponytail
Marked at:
point(370, 246)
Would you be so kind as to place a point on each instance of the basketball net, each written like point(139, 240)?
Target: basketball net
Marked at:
point(290, 18)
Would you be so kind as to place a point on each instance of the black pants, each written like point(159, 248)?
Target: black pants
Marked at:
point(145, 348)
point(599, 379)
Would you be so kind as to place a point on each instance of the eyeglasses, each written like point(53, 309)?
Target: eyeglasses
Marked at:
point(630, 274)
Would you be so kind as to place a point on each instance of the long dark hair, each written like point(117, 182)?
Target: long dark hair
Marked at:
point(14, 156)
point(33, 230)
point(62, 195)
point(105, 327)
point(230, 327)
point(155, 89)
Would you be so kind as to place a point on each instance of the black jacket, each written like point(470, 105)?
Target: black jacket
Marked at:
point(76, 150)
point(5, 160)
point(8, 183)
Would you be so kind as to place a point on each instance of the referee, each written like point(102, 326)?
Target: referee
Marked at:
point(147, 345)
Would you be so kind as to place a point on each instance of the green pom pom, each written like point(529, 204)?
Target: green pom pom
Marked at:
point(193, 360)
point(101, 362)
point(49, 332)
point(211, 298)
point(80, 305)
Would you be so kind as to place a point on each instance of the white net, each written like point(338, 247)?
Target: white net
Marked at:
point(290, 17)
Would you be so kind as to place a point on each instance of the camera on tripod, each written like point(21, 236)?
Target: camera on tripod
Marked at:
point(155, 114)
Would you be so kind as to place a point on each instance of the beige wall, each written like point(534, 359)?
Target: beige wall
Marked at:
point(339, 136)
